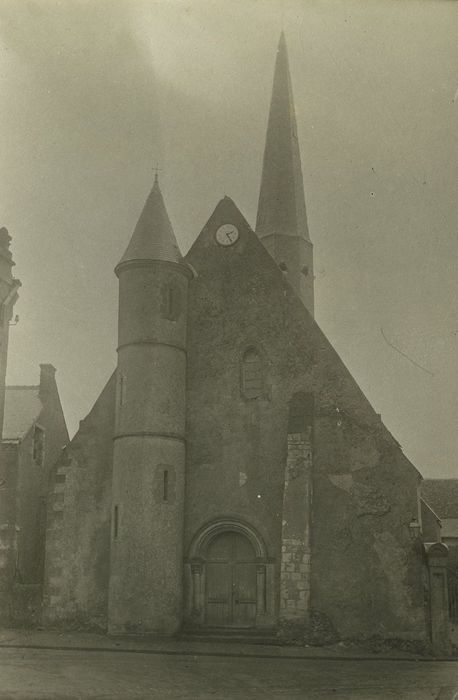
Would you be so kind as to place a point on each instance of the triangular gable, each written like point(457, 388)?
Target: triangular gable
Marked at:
point(248, 256)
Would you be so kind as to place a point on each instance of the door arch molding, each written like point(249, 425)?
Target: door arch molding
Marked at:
point(211, 530)
point(196, 571)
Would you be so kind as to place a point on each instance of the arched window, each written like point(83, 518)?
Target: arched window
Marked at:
point(171, 301)
point(252, 374)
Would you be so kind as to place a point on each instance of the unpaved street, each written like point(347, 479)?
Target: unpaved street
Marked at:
point(48, 674)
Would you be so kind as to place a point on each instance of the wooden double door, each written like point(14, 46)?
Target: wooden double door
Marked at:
point(230, 582)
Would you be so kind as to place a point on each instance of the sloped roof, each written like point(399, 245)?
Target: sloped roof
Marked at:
point(22, 408)
point(153, 237)
point(449, 528)
point(442, 496)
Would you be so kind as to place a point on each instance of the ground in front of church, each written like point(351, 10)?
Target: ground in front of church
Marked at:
point(64, 666)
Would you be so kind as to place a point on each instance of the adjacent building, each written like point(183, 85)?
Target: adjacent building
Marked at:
point(441, 495)
point(33, 431)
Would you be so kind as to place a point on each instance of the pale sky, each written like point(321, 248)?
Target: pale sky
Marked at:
point(94, 93)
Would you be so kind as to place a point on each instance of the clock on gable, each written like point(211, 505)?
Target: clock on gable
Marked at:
point(227, 234)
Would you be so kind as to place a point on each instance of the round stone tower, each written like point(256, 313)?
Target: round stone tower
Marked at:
point(145, 592)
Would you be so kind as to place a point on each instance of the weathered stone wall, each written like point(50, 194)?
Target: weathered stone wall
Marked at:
point(30, 513)
point(296, 545)
point(366, 569)
point(78, 528)
point(146, 576)
point(364, 557)
point(8, 527)
point(33, 480)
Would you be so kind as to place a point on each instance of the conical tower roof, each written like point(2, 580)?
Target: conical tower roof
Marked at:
point(281, 208)
point(153, 237)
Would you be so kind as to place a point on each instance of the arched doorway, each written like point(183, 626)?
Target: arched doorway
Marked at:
point(229, 578)
point(231, 581)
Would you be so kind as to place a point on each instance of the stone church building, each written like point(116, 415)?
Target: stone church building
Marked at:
point(232, 474)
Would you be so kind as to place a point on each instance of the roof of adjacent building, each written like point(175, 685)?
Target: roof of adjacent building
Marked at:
point(153, 237)
point(449, 528)
point(22, 408)
point(428, 507)
point(442, 496)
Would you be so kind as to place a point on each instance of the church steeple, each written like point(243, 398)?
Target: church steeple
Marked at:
point(282, 220)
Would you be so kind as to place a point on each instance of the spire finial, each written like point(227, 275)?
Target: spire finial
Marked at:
point(157, 170)
point(283, 12)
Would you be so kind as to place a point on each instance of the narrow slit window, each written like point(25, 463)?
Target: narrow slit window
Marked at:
point(171, 301)
point(115, 522)
point(165, 485)
point(122, 391)
point(252, 374)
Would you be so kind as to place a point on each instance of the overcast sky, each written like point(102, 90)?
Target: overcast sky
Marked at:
point(95, 93)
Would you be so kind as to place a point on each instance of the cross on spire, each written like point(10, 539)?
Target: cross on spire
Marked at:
point(157, 170)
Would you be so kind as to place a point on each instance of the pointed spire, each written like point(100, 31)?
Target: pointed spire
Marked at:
point(153, 237)
point(281, 208)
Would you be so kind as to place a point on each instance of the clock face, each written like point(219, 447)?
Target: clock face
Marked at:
point(227, 234)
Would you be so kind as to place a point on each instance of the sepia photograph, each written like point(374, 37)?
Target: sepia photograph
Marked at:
point(228, 349)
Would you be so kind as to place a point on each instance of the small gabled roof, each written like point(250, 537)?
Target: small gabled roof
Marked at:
point(22, 408)
point(442, 496)
point(153, 237)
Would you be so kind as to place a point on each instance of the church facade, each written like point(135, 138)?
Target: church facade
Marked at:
point(232, 475)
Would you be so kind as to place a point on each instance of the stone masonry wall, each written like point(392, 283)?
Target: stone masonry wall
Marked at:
point(365, 565)
point(295, 555)
point(78, 527)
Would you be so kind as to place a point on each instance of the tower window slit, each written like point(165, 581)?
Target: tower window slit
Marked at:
point(115, 522)
point(171, 301)
point(165, 485)
point(122, 391)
